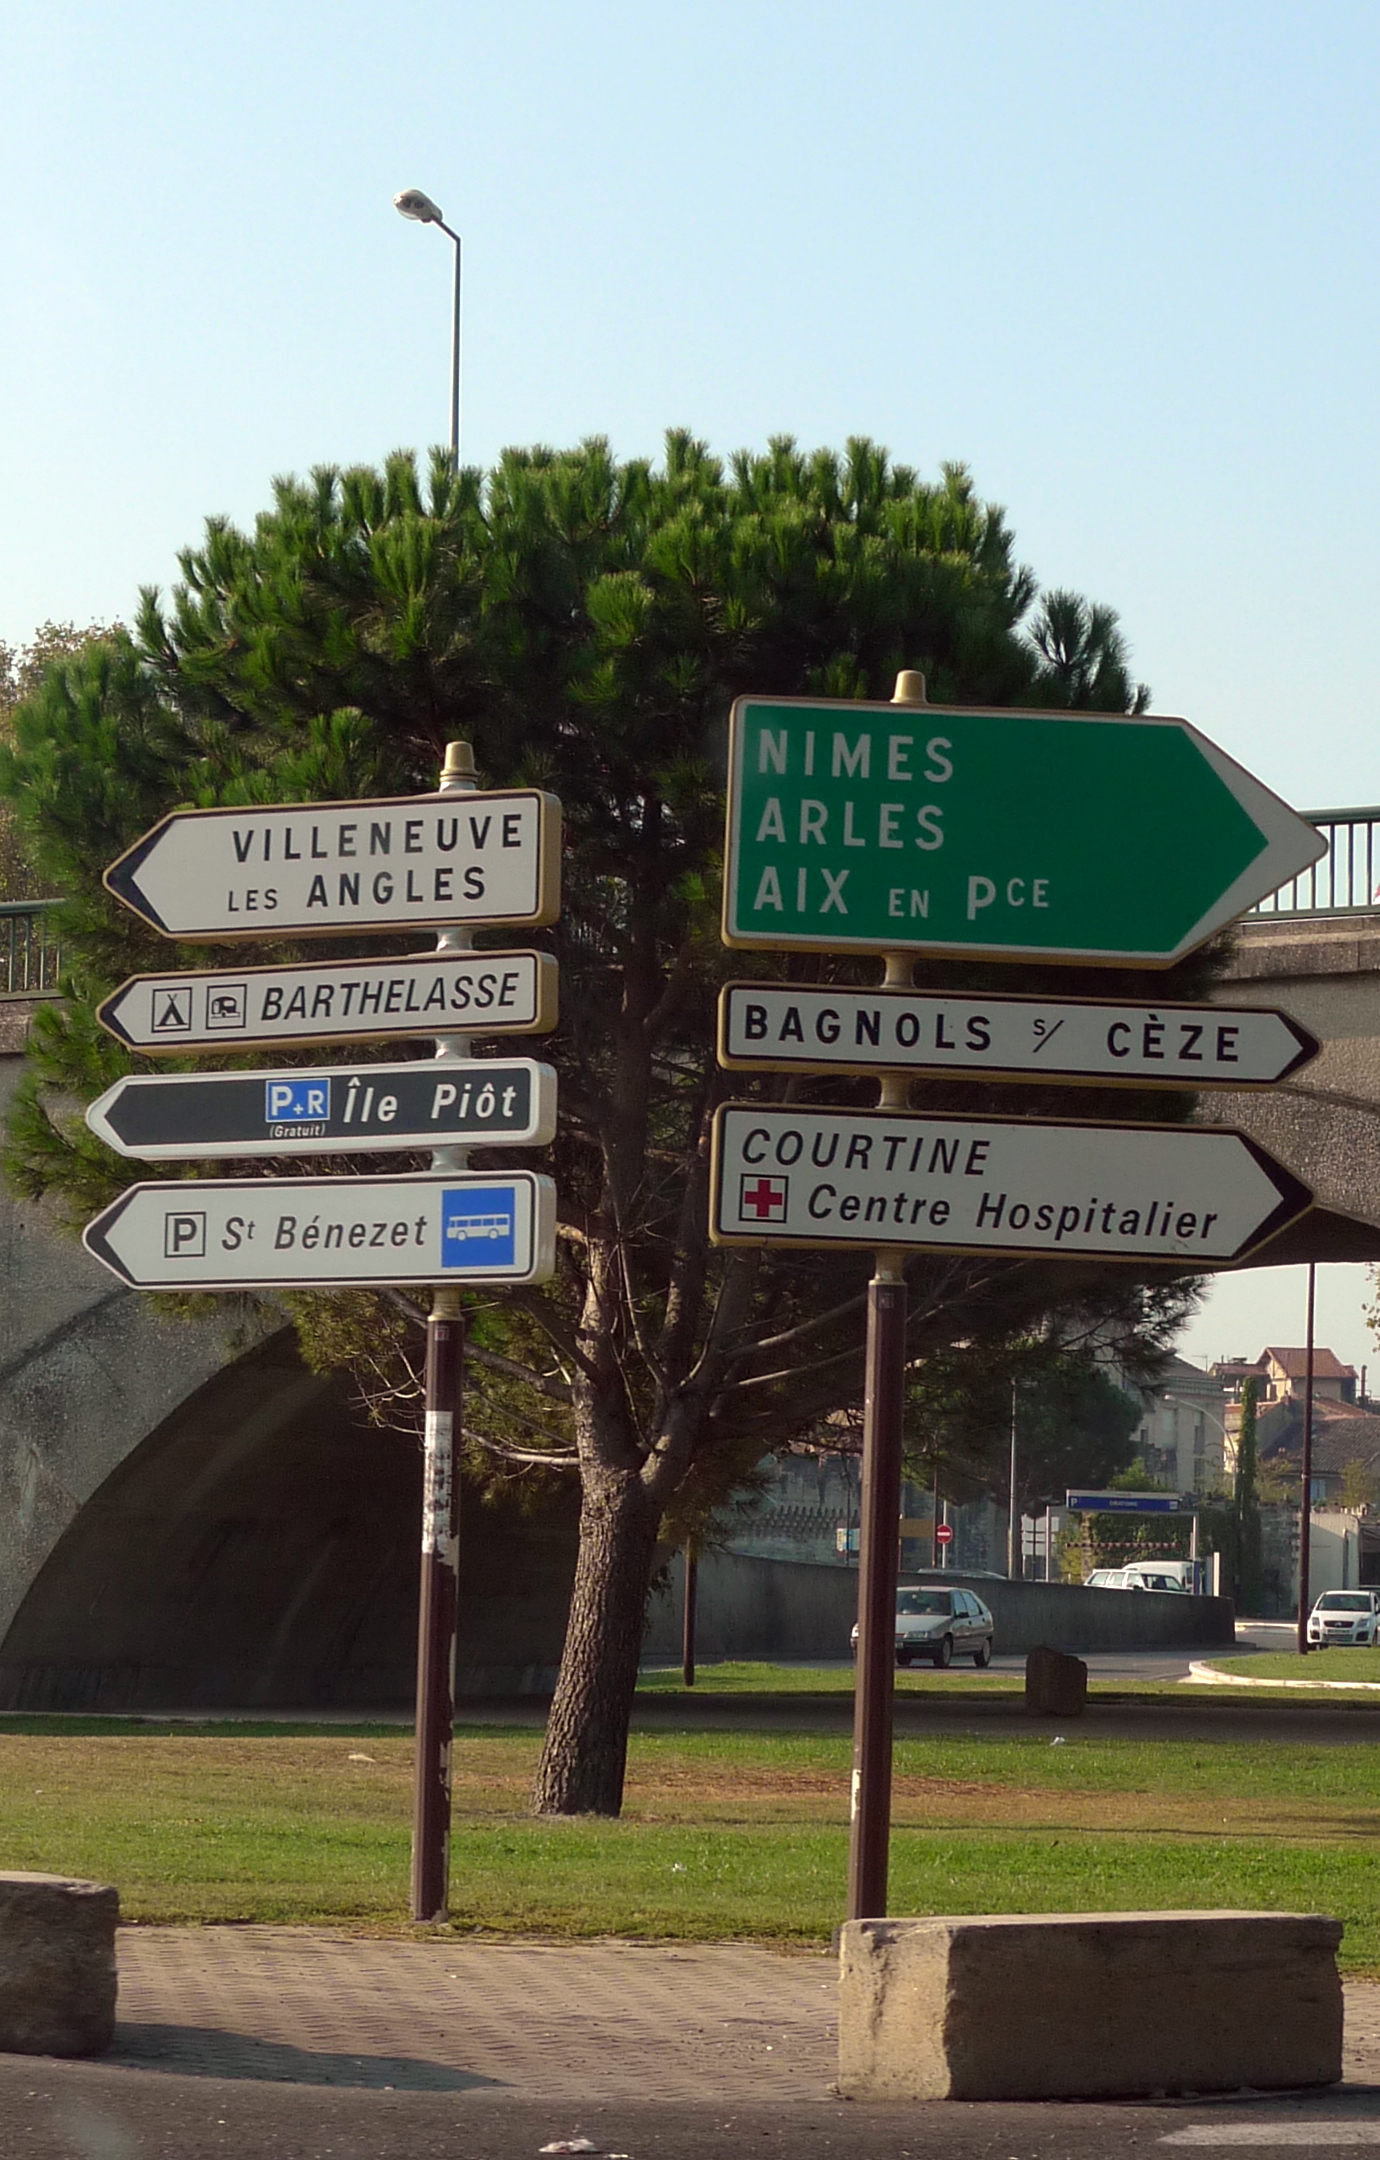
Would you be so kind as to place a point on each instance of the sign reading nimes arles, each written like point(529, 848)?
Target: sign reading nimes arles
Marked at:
point(1069, 836)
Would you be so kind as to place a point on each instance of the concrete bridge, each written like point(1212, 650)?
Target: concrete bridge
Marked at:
point(1324, 1124)
point(188, 1517)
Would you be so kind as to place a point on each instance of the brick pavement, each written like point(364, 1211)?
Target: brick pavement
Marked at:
point(564, 2023)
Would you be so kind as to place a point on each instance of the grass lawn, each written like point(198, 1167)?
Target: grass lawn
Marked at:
point(739, 1677)
point(725, 1834)
point(1355, 1662)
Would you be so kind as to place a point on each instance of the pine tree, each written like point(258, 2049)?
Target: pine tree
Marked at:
point(585, 623)
point(1246, 1505)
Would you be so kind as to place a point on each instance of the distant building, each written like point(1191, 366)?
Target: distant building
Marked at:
point(1281, 1373)
point(1182, 1435)
point(1285, 1372)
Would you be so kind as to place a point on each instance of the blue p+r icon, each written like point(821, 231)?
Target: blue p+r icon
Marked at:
point(479, 1228)
point(297, 1102)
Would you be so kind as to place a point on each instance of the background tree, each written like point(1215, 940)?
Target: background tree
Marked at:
point(1074, 1425)
point(22, 668)
point(1360, 1489)
point(1249, 1553)
point(585, 623)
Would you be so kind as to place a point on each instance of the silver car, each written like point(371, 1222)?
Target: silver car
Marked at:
point(1345, 1616)
point(940, 1625)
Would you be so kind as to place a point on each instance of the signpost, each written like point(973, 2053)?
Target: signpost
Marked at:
point(1189, 1195)
point(335, 1001)
point(316, 869)
point(1036, 835)
point(785, 1027)
point(329, 1233)
point(453, 861)
point(907, 829)
point(337, 1110)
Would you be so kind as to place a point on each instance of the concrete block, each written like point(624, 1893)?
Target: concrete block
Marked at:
point(1060, 2006)
point(57, 1965)
point(1055, 1685)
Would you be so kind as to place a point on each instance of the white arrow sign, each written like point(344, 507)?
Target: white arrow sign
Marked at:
point(335, 1001)
point(307, 869)
point(329, 1233)
point(777, 1027)
point(1195, 1196)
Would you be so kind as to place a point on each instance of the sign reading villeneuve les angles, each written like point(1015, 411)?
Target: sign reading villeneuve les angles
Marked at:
point(1054, 835)
point(410, 862)
point(803, 1176)
point(335, 1001)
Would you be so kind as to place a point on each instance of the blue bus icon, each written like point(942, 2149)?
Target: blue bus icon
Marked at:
point(297, 1102)
point(479, 1228)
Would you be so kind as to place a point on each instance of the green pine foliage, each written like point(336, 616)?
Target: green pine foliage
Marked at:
point(585, 622)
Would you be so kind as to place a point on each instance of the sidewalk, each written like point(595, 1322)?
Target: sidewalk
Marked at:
point(283, 2043)
point(561, 2022)
point(565, 2023)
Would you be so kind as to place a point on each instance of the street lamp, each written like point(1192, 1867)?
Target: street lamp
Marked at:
point(420, 208)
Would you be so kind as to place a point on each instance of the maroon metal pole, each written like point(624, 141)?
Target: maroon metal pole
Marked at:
point(445, 1364)
point(870, 1825)
point(436, 1615)
point(1306, 1474)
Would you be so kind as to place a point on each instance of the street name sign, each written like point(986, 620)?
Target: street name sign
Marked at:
point(1030, 835)
point(1127, 1503)
point(785, 1027)
point(343, 1109)
point(308, 869)
point(329, 1233)
point(335, 1001)
point(1196, 1196)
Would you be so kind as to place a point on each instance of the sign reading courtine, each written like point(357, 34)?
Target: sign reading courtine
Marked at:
point(1194, 1195)
point(408, 862)
point(1035, 835)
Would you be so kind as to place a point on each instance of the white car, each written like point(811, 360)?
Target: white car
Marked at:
point(940, 1625)
point(1345, 1616)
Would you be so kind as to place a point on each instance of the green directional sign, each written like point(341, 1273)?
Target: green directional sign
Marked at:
point(1032, 835)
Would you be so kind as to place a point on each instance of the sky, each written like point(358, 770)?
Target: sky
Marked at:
point(1119, 260)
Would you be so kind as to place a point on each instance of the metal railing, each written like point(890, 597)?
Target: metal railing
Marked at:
point(30, 958)
point(1344, 881)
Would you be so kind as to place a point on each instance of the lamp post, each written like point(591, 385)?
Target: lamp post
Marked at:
point(420, 208)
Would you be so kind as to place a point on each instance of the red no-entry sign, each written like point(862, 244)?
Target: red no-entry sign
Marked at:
point(944, 1535)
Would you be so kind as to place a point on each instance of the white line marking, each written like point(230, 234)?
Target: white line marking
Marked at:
point(1351, 2131)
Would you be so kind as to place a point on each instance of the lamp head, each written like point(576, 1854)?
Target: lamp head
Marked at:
point(412, 203)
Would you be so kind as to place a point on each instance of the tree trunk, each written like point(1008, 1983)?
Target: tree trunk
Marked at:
point(583, 1759)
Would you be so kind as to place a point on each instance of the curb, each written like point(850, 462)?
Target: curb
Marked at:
point(1209, 1676)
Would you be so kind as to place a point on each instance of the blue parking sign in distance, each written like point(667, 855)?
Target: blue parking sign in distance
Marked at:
point(479, 1228)
point(297, 1102)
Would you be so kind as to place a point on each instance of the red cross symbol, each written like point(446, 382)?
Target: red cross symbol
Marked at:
point(764, 1200)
